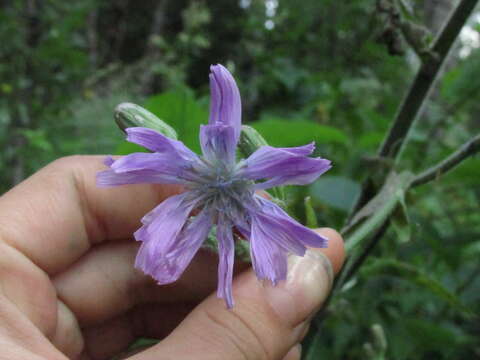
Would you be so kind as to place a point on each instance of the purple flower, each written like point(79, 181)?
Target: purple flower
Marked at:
point(224, 192)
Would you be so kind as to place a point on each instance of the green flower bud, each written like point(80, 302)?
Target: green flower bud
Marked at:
point(131, 115)
point(250, 141)
point(379, 339)
point(242, 247)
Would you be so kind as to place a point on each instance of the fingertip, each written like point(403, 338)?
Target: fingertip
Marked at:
point(335, 251)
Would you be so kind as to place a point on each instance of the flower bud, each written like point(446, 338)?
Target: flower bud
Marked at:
point(131, 115)
point(310, 213)
point(250, 141)
point(379, 339)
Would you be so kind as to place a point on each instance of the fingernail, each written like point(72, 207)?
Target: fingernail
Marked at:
point(308, 282)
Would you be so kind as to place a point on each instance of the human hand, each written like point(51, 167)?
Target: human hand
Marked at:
point(68, 288)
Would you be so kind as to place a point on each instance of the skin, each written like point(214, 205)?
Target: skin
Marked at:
point(68, 288)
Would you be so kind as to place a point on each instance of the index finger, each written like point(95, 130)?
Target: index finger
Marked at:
point(57, 214)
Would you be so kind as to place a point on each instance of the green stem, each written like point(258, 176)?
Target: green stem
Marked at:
point(372, 224)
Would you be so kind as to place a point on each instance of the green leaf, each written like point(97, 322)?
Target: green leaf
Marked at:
point(182, 111)
point(125, 148)
point(430, 336)
point(336, 191)
point(472, 250)
point(371, 139)
point(282, 132)
point(414, 275)
point(37, 139)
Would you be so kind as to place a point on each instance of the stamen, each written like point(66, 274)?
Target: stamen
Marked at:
point(222, 187)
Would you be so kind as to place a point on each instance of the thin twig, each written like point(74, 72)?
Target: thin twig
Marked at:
point(466, 150)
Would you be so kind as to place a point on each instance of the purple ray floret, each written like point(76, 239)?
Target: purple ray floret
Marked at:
point(221, 190)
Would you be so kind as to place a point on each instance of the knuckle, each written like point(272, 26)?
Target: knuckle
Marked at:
point(60, 169)
point(72, 165)
point(66, 162)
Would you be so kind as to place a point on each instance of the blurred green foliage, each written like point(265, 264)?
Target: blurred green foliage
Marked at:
point(316, 72)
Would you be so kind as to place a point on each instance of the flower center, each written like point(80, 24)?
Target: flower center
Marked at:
point(223, 189)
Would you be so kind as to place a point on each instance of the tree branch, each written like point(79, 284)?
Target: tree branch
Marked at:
point(415, 98)
point(466, 150)
point(413, 102)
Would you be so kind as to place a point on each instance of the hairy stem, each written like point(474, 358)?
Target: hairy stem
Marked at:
point(370, 246)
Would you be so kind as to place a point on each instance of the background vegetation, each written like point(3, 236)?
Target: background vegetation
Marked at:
point(330, 71)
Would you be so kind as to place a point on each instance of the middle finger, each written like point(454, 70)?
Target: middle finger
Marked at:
point(104, 283)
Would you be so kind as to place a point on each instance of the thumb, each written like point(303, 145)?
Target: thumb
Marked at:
point(266, 322)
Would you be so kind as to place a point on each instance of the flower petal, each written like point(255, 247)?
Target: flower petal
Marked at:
point(146, 168)
point(269, 260)
point(147, 161)
point(218, 142)
point(153, 140)
point(225, 103)
point(108, 161)
point(226, 252)
point(111, 178)
point(274, 234)
point(284, 166)
point(285, 230)
point(304, 150)
point(169, 266)
point(160, 232)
